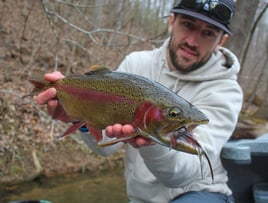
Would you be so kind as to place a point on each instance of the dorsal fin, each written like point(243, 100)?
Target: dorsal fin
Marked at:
point(97, 69)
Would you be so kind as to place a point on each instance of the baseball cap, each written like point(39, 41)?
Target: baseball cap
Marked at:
point(216, 12)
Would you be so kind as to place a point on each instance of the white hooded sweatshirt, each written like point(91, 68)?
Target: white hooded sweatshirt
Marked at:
point(157, 174)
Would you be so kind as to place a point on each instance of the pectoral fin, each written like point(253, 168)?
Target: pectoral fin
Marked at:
point(116, 140)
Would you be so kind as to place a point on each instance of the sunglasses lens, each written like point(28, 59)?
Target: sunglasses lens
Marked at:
point(192, 4)
point(216, 10)
point(222, 12)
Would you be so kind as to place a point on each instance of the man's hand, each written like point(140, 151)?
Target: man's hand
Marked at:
point(118, 130)
point(49, 97)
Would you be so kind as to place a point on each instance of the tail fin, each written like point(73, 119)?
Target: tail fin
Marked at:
point(40, 84)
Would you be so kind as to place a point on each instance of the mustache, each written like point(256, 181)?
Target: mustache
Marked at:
point(189, 47)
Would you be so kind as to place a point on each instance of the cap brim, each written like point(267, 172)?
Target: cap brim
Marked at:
point(202, 17)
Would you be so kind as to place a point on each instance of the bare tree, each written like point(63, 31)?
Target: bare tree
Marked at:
point(241, 25)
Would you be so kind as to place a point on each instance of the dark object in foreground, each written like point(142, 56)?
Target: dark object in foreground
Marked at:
point(31, 201)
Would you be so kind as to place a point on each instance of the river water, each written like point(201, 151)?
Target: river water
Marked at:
point(84, 188)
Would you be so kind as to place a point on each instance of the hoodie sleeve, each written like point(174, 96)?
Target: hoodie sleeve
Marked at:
point(93, 145)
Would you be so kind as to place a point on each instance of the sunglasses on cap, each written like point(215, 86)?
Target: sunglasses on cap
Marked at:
point(217, 10)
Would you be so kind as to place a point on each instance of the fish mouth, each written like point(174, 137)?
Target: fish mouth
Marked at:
point(188, 127)
point(185, 135)
point(182, 139)
point(184, 130)
point(192, 125)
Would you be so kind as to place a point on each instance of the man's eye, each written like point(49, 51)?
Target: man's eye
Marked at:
point(188, 25)
point(208, 33)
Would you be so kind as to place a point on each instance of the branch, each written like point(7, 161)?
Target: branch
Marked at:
point(87, 5)
point(249, 39)
point(46, 9)
point(16, 94)
point(254, 91)
point(77, 44)
point(90, 33)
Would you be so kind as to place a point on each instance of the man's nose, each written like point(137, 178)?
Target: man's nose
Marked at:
point(193, 38)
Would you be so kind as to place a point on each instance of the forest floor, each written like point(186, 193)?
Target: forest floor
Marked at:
point(29, 147)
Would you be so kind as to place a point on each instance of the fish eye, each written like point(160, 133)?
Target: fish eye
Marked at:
point(175, 113)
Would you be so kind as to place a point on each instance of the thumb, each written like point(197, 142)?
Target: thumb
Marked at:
point(52, 77)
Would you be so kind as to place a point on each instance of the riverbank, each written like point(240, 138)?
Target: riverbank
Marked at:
point(108, 186)
point(64, 158)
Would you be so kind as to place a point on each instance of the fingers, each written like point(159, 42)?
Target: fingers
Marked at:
point(49, 97)
point(51, 106)
point(141, 142)
point(49, 94)
point(52, 77)
point(109, 131)
point(46, 96)
point(119, 130)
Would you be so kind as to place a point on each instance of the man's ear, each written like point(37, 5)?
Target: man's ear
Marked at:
point(223, 39)
point(171, 20)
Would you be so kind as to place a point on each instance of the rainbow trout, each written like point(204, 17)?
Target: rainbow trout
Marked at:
point(103, 97)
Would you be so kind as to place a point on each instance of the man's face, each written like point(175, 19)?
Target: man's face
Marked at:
point(192, 42)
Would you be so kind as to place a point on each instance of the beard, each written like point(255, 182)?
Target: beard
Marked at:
point(172, 49)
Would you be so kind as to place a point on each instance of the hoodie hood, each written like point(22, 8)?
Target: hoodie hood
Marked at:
point(222, 64)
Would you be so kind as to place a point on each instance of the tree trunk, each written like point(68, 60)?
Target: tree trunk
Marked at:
point(241, 25)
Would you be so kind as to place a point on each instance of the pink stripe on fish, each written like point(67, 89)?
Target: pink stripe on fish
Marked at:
point(94, 95)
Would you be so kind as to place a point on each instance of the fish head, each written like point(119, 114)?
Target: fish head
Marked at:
point(170, 126)
point(162, 119)
point(187, 117)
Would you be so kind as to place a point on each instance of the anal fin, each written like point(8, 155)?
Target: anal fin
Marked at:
point(72, 129)
point(96, 133)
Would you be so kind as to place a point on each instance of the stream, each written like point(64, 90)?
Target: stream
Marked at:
point(81, 188)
